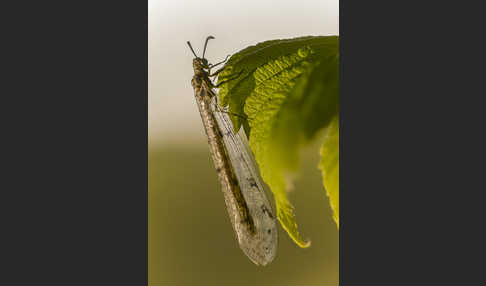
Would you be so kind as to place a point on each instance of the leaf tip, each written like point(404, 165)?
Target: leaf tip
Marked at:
point(293, 233)
point(306, 244)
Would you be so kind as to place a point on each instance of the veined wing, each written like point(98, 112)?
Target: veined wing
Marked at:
point(260, 246)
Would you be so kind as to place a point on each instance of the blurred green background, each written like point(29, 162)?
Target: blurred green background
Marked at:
point(191, 241)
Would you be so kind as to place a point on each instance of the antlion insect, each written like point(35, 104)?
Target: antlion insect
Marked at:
point(249, 210)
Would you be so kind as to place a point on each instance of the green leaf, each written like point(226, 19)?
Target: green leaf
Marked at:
point(288, 91)
point(329, 166)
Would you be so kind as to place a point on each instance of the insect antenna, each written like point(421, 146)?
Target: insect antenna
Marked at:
point(192, 50)
point(206, 43)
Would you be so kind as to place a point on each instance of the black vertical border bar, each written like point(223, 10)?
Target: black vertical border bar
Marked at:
point(74, 143)
point(410, 99)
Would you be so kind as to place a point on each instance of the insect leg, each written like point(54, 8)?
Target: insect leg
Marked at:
point(232, 113)
point(217, 72)
point(212, 66)
point(219, 109)
point(230, 79)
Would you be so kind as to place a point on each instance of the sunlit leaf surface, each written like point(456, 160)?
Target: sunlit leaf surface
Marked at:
point(288, 91)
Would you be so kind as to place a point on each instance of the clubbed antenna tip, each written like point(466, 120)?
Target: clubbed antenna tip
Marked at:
point(206, 43)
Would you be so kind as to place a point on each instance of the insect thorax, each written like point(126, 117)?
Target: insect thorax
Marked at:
point(201, 77)
point(200, 67)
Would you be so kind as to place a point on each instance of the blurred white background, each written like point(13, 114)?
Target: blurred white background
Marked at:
point(173, 115)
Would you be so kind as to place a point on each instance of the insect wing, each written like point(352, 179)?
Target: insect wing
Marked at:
point(260, 247)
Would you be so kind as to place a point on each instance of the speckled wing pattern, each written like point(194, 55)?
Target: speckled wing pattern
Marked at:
point(261, 245)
